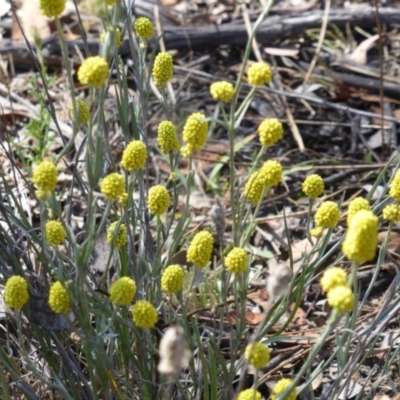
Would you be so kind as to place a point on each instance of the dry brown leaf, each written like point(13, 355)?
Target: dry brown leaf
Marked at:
point(298, 250)
point(394, 240)
point(359, 55)
point(251, 317)
point(260, 297)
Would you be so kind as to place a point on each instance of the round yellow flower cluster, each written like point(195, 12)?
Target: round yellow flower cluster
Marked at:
point(113, 186)
point(271, 173)
point(361, 238)
point(58, 298)
point(327, 215)
point(259, 74)
point(249, 394)
point(118, 37)
point(163, 69)
point(45, 176)
point(172, 279)
point(16, 292)
point(144, 314)
point(158, 200)
point(167, 138)
point(194, 134)
point(333, 277)
point(394, 191)
point(392, 213)
point(271, 131)
point(119, 238)
point(341, 298)
point(52, 8)
point(144, 28)
point(111, 2)
point(313, 186)
point(134, 156)
point(123, 199)
point(200, 249)
point(280, 387)
point(257, 354)
point(223, 91)
point(122, 291)
point(82, 111)
point(355, 206)
point(237, 260)
point(55, 232)
point(93, 71)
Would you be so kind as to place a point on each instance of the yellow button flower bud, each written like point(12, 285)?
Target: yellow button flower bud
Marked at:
point(253, 188)
point(163, 69)
point(123, 199)
point(333, 277)
point(355, 206)
point(200, 249)
point(195, 131)
point(111, 2)
point(313, 186)
point(134, 156)
point(58, 298)
point(16, 292)
point(172, 279)
point(144, 314)
point(271, 173)
point(394, 191)
point(341, 298)
point(118, 36)
point(259, 74)
point(249, 394)
point(158, 200)
point(237, 260)
point(223, 91)
point(55, 232)
point(113, 186)
point(327, 215)
point(52, 8)
point(361, 238)
point(118, 238)
point(144, 28)
point(257, 354)
point(392, 213)
point(280, 387)
point(93, 72)
point(45, 176)
point(167, 138)
point(317, 231)
point(187, 151)
point(271, 131)
point(82, 110)
point(122, 291)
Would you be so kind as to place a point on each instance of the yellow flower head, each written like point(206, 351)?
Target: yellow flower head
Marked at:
point(313, 186)
point(58, 298)
point(341, 298)
point(187, 151)
point(253, 188)
point(223, 91)
point(52, 8)
point(111, 2)
point(42, 194)
point(394, 191)
point(172, 279)
point(167, 138)
point(118, 36)
point(93, 71)
point(195, 131)
point(237, 260)
point(280, 387)
point(82, 110)
point(163, 69)
point(55, 232)
point(259, 74)
point(333, 277)
point(123, 199)
point(355, 206)
point(271, 173)
point(113, 186)
point(317, 231)
point(144, 314)
point(158, 200)
point(200, 249)
point(45, 176)
point(271, 131)
point(249, 394)
point(327, 215)
point(16, 292)
point(134, 156)
point(392, 213)
point(257, 354)
point(361, 238)
point(144, 28)
point(122, 291)
point(119, 237)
